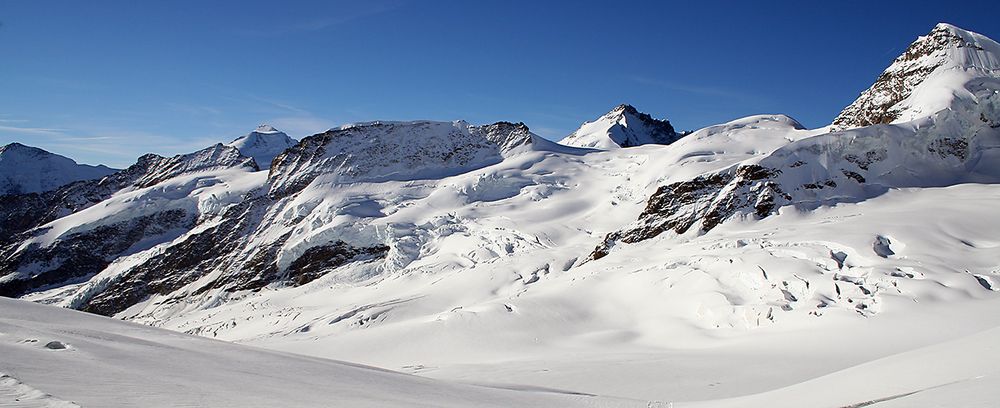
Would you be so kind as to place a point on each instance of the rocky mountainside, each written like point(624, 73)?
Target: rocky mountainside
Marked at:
point(925, 79)
point(942, 148)
point(381, 151)
point(26, 169)
point(25, 265)
point(623, 126)
point(263, 144)
point(194, 216)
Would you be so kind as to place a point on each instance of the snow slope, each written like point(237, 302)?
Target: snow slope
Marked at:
point(55, 357)
point(263, 144)
point(26, 169)
point(623, 126)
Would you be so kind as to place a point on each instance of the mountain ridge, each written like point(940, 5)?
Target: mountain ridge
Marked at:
point(26, 169)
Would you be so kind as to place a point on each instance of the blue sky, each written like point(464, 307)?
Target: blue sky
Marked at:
point(106, 81)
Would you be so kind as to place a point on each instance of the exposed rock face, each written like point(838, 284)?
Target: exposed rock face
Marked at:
point(950, 147)
point(221, 246)
point(20, 213)
point(152, 169)
point(381, 151)
point(705, 201)
point(945, 47)
point(623, 126)
point(84, 254)
point(243, 243)
point(944, 145)
point(315, 260)
point(80, 255)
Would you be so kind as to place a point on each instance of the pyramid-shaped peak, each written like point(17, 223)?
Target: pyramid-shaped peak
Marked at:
point(263, 144)
point(623, 126)
point(625, 108)
point(265, 128)
point(935, 64)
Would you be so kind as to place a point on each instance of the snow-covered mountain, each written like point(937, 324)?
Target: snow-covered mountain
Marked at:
point(927, 78)
point(263, 144)
point(109, 232)
point(211, 218)
point(26, 169)
point(623, 126)
point(947, 110)
point(685, 268)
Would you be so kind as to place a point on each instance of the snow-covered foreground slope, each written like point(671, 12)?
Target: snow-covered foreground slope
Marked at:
point(26, 169)
point(957, 373)
point(54, 357)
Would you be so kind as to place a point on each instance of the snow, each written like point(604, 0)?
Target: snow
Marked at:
point(110, 363)
point(623, 126)
point(204, 193)
point(387, 151)
point(263, 144)
point(25, 169)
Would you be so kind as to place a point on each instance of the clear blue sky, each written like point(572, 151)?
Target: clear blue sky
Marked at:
point(105, 81)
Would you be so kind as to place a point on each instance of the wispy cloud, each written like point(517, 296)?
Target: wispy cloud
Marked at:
point(277, 104)
point(18, 130)
point(367, 9)
point(688, 88)
point(84, 139)
point(196, 110)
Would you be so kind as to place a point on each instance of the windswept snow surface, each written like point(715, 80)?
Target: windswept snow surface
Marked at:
point(53, 357)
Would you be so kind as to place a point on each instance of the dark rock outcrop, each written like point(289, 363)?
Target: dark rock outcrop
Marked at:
point(706, 200)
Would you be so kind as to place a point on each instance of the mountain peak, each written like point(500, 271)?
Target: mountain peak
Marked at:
point(625, 108)
point(925, 79)
point(16, 147)
point(265, 128)
point(263, 144)
point(623, 126)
